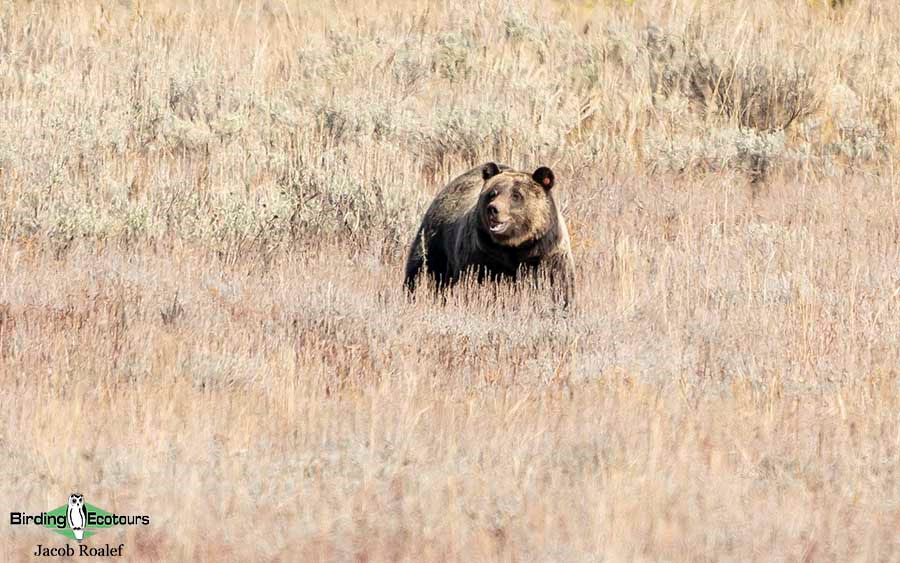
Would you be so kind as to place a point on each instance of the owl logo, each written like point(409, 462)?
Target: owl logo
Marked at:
point(75, 515)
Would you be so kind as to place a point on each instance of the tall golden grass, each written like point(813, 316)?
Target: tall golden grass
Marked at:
point(204, 208)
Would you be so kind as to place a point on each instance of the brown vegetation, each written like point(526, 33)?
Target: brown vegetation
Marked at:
point(204, 208)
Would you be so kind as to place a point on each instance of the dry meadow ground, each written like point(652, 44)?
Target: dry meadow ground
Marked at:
point(204, 208)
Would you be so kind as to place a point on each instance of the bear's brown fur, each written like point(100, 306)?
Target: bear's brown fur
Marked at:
point(497, 223)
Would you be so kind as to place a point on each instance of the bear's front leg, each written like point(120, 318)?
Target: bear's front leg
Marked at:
point(561, 274)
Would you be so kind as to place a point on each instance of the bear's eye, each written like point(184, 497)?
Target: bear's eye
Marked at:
point(517, 197)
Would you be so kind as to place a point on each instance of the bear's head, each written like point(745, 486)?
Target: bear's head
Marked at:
point(516, 207)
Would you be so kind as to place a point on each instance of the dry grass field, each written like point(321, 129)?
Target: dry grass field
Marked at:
point(204, 213)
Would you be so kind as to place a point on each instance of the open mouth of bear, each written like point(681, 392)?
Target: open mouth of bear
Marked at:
point(498, 227)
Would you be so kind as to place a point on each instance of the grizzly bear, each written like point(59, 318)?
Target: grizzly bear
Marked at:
point(496, 223)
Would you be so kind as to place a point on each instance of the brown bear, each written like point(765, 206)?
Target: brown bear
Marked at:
point(497, 223)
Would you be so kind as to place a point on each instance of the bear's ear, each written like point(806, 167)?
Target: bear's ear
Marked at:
point(544, 177)
point(489, 170)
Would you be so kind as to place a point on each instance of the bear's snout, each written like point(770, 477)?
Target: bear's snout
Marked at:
point(493, 211)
